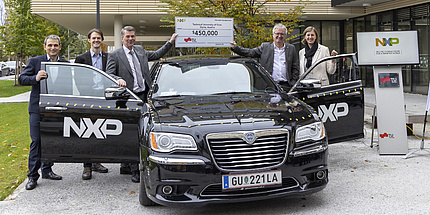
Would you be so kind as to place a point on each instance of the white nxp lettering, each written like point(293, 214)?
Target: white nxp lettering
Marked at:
point(93, 128)
point(333, 112)
point(69, 123)
point(116, 131)
point(86, 127)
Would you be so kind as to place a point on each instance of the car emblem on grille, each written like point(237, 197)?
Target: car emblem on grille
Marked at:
point(249, 137)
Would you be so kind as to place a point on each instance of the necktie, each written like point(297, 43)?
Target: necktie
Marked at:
point(137, 70)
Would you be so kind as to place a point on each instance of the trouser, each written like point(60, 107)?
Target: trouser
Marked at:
point(34, 163)
point(134, 167)
point(285, 85)
point(88, 164)
point(141, 95)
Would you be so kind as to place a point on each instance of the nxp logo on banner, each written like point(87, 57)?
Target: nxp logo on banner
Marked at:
point(387, 41)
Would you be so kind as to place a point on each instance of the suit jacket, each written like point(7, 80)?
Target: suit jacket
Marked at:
point(28, 77)
point(266, 52)
point(320, 72)
point(118, 66)
point(85, 58)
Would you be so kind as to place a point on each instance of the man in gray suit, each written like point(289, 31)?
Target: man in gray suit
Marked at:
point(278, 57)
point(129, 66)
point(129, 63)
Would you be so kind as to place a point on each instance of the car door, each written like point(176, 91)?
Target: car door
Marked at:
point(77, 122)
point(340, 105)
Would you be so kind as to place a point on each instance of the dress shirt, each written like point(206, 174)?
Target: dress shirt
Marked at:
point(96, 60)
point(279, 64)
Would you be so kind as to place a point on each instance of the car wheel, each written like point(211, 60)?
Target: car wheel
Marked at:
point(143, 197)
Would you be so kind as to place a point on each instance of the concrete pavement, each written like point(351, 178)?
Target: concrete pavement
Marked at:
point(24, 97)
point(361, 182)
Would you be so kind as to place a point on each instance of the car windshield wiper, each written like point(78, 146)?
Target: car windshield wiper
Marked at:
point(168, 96)
point(231, 92)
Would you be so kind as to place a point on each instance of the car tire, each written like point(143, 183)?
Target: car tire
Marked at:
point(143, 197)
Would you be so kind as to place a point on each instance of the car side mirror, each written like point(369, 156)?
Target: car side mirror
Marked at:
point(113, 93)
point(309, 84)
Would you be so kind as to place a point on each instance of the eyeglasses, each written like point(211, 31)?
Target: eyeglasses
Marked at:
point(279, 34)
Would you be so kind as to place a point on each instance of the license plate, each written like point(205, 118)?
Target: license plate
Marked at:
point(251, 180)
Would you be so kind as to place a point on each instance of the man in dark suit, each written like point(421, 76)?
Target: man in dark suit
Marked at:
point(97, 58)
point(32, 76)
point(278, 57)
point(129, 66)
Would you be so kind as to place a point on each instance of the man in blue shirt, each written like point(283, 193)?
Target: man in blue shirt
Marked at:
point(97, 58)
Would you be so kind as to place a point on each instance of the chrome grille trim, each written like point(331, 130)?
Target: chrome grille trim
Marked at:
point(230, 152)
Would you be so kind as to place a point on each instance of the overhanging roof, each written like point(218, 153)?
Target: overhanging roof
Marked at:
point(356, 3)
point(144, 15)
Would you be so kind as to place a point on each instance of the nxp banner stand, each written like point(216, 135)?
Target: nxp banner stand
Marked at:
point(390, 110)
point(386, 52)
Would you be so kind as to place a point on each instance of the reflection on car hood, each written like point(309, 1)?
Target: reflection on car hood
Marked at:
point(238, 108)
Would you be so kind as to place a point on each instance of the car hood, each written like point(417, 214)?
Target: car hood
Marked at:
point(229, 108)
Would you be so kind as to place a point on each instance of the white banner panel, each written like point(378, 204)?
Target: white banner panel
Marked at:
point(390, 110)
point(388, 48)
point(203, 32)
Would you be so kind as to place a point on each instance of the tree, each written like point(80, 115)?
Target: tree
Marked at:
point(253, 23)
point(23, 32)
point(73, 44)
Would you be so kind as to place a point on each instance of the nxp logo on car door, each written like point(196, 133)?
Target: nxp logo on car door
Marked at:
point(99, 128)
point(333, 112)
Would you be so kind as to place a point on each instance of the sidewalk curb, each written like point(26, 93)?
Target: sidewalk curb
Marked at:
point(20, 98)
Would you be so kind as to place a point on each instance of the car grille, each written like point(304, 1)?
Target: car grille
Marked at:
point(231, 152)
point(215, 190)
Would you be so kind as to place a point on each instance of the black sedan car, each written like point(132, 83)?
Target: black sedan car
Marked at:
point(215, 129)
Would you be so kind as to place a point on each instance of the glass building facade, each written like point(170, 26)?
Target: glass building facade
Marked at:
point(342, 36)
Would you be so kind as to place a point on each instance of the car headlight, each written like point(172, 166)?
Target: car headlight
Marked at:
point(167, 142)
point(314, 131)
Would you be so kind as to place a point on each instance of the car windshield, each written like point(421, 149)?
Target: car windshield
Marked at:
point(212, 76)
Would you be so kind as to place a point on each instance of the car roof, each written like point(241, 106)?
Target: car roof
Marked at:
point(187, 58)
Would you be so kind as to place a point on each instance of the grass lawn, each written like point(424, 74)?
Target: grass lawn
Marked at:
point(8, 89)
point(15, 139)
point(14, 147)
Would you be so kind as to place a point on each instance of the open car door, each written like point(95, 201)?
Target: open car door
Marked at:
point(340, 105)
point(86, 117)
